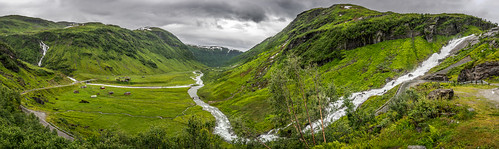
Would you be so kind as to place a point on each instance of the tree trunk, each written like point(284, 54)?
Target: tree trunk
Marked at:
point(305, 102)
point(297, 123)
point(320, 106)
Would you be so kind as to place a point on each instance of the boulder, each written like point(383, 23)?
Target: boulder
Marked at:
point(39, 100)
point(479, 72)
point(93, 96)
point(441, 94)
point(111, 92)
point(102, 87)
point(84, 101)
point(76, 91)
point(128, 93)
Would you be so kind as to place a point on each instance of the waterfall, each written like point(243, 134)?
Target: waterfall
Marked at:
point(45, 48)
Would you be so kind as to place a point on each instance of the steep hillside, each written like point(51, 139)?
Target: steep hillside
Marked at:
point(96, 48)
point(14, 24)
point(354, 47)
point(213, 56)
point(19, 75)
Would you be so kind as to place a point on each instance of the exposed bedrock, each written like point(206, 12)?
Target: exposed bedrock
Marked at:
point(479, 72)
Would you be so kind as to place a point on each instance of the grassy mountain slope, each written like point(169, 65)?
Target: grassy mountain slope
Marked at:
point(14, 24)
point(96, 48)
point(213, 56)
point(19, 75)
point(354, 47)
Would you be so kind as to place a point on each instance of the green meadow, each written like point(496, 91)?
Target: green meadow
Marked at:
point(166, 79)
point(131, 114)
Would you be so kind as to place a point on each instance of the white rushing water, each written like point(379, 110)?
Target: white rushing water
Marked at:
point(335, 111)
point(223, 127)
point(45, 48)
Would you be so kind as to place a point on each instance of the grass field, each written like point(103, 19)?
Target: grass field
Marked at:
point(131, 114)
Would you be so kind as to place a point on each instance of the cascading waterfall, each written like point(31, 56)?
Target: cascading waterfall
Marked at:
point(45, 48)
point(335, 111)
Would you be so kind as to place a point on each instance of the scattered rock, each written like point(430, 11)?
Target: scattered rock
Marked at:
point(84, 86)
point(111, 92)
point(388, 80)
point(84, 101)
point(76, 91)
point(441, 94)
point(416, 147)
point(471, 109)
point(39, 100)
point(479, 72)
point(128, 93)
point(102, 87)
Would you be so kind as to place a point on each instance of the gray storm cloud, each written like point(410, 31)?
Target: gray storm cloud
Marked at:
point(236, 24)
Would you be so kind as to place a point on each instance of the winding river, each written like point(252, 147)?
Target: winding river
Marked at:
point(223, 127)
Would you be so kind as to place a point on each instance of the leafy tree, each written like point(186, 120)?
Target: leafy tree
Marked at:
point(298, 94)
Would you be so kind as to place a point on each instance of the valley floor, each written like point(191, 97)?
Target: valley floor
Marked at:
point(72, 107)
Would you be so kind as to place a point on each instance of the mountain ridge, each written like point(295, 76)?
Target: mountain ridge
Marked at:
point(103, 49)
point(214, 56)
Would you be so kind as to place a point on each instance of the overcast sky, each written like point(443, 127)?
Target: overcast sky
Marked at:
point(238, 24)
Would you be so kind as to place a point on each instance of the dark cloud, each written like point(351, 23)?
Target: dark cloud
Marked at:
point(234, 23)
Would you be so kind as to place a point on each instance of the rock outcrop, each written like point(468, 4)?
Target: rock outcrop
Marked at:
point(437, 77)
point(479, 72)
point(441, 94)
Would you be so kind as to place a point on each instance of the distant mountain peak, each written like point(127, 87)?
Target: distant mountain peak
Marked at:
point(215, 48)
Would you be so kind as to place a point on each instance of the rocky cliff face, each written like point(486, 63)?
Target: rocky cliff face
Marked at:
point(479, 72)
point(348, 29)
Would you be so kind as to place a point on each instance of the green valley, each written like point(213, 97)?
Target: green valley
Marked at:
point(343, 76)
